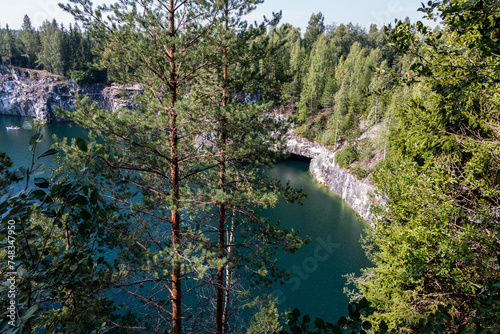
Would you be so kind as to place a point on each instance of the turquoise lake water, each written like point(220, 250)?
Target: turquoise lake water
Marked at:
point(316, 270)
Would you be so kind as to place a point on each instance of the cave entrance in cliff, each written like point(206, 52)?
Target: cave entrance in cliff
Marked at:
point(296, 157)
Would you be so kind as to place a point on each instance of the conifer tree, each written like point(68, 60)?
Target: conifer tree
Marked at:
point(242, 140)
point(315, 28)
point(9, 52)
point(160, 166)
point(51, 55)
point(295, 56)
point(435, 243)
point(162, 47)
point(31, 42)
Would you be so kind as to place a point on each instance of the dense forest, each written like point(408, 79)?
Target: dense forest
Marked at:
point(173, 186)
point(320, 79)
point(53, 48)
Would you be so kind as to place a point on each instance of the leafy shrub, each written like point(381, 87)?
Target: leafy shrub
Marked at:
point(347, 156)
point(88, 76)
point(359, 172)
point(304, 131)
point(366, 150)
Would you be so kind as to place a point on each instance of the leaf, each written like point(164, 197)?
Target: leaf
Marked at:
point(367, 325)
point(363, 303)
point(50, 213)
point(73, 267)
point(41, 182)
point(305, 322)
point(82, 144)
point(319, 323)
point(342, 321)
point(49, 152)
point(37, 194)
point(383, 328)
point(93, 199)
point(79, 199)
point(29, 312)
point(85, 215)
point(98, 152)
point(39, 169)
point(351, 308)
point(337, 330)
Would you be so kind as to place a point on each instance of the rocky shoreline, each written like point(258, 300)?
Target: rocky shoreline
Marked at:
point(359, 195)
point(39, 94)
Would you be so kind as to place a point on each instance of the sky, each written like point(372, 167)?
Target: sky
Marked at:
point(296, 12)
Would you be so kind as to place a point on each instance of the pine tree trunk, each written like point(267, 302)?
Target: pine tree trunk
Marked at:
point(174, 170)
point(222, 236)
point(222, 183)
point(230, 241)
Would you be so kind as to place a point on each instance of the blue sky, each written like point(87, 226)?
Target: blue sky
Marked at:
point(296, 12)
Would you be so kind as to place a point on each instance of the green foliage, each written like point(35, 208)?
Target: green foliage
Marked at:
point(347, 156)
point(336, 82)
point(9, 51)
point(6, 176)
point(434, 243)
point(186, 152)
point(267, 319)
point(60, 238)
point(359, 172)
point(30, 40)
point(51, 56)
point(354, 323)
point(52, 48)
point(81, 77)
point(182, 167)
point(314, 30)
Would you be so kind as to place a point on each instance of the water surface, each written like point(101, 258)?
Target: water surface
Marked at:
point(316, 270)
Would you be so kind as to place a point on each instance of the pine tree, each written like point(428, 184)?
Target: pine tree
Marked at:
point(296, 54)
point(182, 151)
point(241, 145)
point(314, 29)
point(159, 156)
point(9, 52)
point(435, 241)
point(31, 41)
point(51, 56)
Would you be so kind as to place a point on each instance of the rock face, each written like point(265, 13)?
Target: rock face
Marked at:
point(357, 194)
point(38, 94)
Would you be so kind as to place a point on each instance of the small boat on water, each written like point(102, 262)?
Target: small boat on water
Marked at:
point(12, 127)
